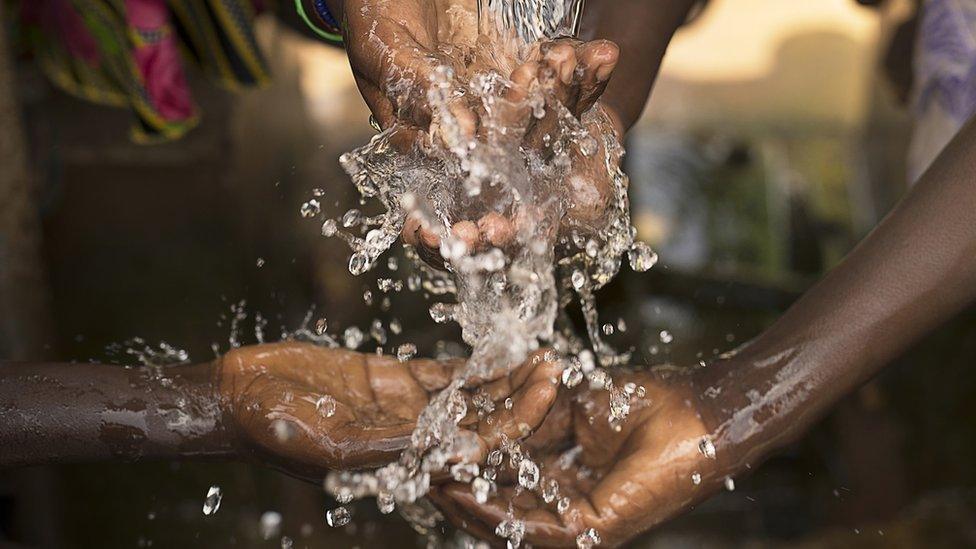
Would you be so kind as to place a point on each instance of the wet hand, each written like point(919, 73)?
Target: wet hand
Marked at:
point(619, 483)
point(308, 409)
point(574, 74)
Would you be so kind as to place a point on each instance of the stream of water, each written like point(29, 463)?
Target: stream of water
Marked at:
point(508, 302)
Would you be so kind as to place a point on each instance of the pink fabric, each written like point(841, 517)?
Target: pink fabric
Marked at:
point(163, 77)
point(159, 63)
point(146, 14)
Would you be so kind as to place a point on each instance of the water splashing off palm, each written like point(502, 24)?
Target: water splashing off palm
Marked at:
point(497, 165)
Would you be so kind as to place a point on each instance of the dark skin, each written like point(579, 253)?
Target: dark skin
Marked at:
point(254, 402)
point(394, 48)
point(916, 270)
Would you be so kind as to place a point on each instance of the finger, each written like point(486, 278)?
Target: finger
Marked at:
point(468, 233)
point(561, 56)
point(535, 394)
point(459, 518)
point(557, 73)
point(434, 375)
point(541, 527)
point(411, 230)
point(497, 230)
point(597, 61)
point(395, 390)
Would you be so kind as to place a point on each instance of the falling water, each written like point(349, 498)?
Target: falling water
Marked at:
point(508, 302)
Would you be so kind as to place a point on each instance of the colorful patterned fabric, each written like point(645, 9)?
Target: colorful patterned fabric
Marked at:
point(129, 53)
point(945, 82)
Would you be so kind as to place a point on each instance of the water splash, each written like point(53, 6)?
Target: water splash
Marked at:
point(508, 301)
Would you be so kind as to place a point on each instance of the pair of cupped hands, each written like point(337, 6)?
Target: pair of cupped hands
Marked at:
point(348, 410)
point(307, 410)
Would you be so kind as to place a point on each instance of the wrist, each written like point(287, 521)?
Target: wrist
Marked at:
point(750, 407)
point(195, 410)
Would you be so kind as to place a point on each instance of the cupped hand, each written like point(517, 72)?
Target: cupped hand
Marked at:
point(309, 409)
point(573, 75)
point(396, 50)
point(619, 483)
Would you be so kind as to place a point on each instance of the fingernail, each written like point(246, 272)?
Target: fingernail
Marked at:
point(604, 72)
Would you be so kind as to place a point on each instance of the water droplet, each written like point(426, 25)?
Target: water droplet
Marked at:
point(578, 279)
point(385, 502)
point(528, 475)
point(282, 430)
point(642, 257)
point(260, 262)
point(572, 376)
point(286, 542)
point(608, 329)
point(352, 218)
point(329, 228)
point(495, 458)
point(358, 263)
point(326, 406)
point(395, 326)
point(344, 495)
point(465, 472)
point(696, 478)
point(550, 490)
point(707, 448)
point(270, 525)
point(592, 248)
point(513, 530)
point(406, 351)
point(457, 408)
point(337, 517)
point(311, 208)
point(563, 505)
point(729, 484)
point(666, 336)
point(352, 337)
point(481, 488)
point(321, 326)
point(212, 502)
point(377, 331)
point(509, 403)
point(588, 539)
point(440, 312)
point(619, 405)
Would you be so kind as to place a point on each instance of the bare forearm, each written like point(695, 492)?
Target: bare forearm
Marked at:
point(643, 29)
point(912, 273)
point(52, 413)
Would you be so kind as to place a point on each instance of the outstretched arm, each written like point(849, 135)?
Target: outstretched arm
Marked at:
point(303, 408)
point(913, 272)
point(52, 413)
point(693, 430)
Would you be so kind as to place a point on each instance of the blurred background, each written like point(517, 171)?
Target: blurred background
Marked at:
point(775, 140)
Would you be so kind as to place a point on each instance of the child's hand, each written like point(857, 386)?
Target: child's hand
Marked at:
point(620, 483)
point(309, 409)
point(575, 74)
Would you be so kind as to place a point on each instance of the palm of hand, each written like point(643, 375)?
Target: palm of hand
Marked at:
point(395, 49)
point(309, 409)
point(618, 483)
